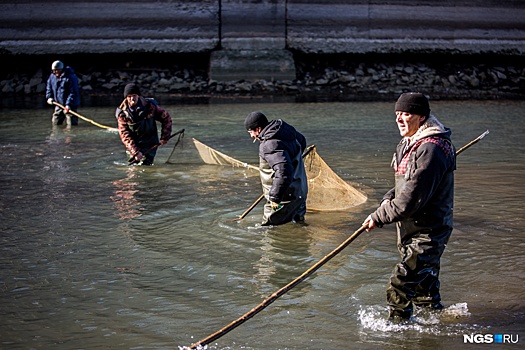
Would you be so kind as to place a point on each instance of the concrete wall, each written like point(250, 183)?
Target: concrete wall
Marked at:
point(394, 26)
point(321, 26)
point(252, 42)
point(75, 26)
point(255, 38)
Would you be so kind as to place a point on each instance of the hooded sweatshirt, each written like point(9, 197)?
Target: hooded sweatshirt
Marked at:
point(423, 196)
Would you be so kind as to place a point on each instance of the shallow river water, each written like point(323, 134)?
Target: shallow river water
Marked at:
point(95, 254)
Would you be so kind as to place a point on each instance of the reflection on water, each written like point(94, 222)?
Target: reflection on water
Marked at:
point(127, 205)
point(95, 254)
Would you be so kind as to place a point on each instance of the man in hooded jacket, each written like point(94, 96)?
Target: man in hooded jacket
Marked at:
point(421, 205)
point(282, 171)
point(62, 87)
point(137, 117)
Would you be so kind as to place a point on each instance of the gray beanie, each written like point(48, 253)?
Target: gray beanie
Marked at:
point(255, 120)
point(131, 89)
point(413, 103)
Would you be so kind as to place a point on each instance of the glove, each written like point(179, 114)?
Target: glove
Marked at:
point(275, 206)
point(138, 157)
point(50, 101)
point(66, 109)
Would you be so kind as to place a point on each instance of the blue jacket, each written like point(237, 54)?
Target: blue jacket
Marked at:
point(64, 89)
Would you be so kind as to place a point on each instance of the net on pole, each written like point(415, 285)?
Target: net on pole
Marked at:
point(326, 190)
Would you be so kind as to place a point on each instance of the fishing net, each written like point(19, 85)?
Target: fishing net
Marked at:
point(326, 190)
point(211, 156)
point(196, 152)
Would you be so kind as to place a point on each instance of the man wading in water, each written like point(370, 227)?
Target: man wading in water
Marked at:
point(137, 125)
point(420, 204)
point(281, 168)
point(62, 87)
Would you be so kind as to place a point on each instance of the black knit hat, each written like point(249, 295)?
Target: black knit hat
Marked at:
point(413, 103)
point(131, 89)
point(255, 120)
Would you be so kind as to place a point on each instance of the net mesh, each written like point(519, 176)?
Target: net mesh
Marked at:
point(212, 156)
point(326, 190)
point(196, 152)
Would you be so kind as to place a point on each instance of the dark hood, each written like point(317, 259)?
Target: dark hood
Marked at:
point(278, 129)
point(68, 71)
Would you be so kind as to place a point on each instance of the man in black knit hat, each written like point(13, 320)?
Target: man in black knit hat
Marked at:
point(137, 117)
point(421, 205)
point(281, 165)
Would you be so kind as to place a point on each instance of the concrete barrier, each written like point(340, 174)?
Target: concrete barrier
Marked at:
point(256, 38)
point(393, 27)
point(64, 27)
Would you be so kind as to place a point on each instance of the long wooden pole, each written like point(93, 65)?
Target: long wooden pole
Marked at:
point(299, 279)
point(247, 211)
point(472, 142)
point(280, 292)
point(86, 119)
point(133, 161)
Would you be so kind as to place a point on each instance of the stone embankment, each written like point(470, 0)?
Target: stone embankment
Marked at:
point(318, 79)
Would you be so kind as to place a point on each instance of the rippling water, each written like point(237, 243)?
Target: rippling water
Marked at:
point(95, 254)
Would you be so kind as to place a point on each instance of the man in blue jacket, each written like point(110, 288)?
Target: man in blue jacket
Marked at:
point(421, 205)
point(282, 171)
point(62, 87)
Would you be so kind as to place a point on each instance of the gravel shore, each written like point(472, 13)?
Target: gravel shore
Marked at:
point(319, 78)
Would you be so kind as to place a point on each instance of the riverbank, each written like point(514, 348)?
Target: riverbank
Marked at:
point(319, 78)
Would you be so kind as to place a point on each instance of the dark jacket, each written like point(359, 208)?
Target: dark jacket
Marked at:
point(138, 128)
point(423, 196)
point(282, 168)
point(64, 89)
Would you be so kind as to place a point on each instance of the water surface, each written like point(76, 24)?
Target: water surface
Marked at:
point(96, 254)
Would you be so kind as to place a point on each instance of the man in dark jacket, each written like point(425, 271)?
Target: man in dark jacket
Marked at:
point(421, 205)
point(137, 117)
point(62, 87)
point(281, 165)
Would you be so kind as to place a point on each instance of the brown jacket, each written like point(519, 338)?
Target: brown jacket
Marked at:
point(138, 129)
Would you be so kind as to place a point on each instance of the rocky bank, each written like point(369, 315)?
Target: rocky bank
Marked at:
point(319, 78)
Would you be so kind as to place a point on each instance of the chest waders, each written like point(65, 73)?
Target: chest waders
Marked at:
point(145, 136)
point(421, 241)
point(294, 201)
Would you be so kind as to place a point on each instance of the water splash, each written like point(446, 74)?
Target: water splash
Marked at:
point(449, 321)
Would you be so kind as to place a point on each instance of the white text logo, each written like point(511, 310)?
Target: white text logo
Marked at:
point(490, 338)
